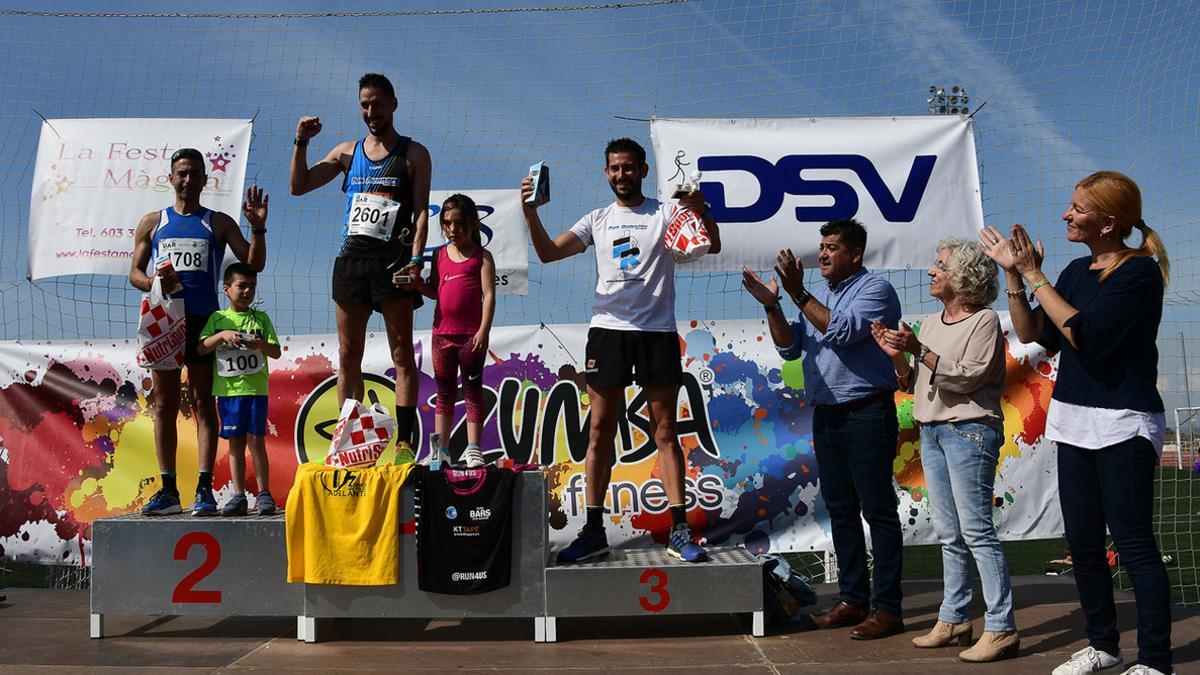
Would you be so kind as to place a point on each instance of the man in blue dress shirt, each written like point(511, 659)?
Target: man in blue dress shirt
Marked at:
point(849, 381)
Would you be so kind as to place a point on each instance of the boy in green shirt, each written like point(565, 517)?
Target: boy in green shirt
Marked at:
point(242, 338)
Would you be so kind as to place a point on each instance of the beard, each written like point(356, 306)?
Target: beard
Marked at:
point(384, 128)
point(634, 190)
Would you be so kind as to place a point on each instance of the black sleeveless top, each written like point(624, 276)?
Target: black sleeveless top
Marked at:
point(386, 178)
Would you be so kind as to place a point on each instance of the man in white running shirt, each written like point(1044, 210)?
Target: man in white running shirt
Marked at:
point(632, 336)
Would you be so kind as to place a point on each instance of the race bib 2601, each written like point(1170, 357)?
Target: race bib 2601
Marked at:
point(372, 215)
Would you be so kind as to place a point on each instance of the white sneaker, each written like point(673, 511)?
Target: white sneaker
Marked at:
point(473, 457)
point(1140, 669)
point(1089, 660)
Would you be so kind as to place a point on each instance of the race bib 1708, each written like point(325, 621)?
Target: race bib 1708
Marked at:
point(372, 215)
point(237, 362)
point(187, 254)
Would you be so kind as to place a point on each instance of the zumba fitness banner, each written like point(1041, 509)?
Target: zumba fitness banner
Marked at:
point(76, 438)
point(911, 180)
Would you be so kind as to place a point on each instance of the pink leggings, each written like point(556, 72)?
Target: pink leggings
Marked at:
point(451, 353)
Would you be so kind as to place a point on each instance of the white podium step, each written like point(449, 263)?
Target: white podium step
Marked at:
point(173, 565)
point(647, 582)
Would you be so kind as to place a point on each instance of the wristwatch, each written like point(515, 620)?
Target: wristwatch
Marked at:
point(800, 297)
point(923, 353)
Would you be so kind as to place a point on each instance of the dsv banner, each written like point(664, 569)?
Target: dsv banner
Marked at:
point(772, 183)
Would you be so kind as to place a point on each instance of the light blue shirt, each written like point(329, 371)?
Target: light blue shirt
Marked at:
point(844, 363)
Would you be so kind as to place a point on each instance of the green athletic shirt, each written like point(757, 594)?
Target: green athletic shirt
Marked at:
point(239, 372)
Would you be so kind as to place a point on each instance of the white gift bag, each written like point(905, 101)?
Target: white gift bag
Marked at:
point(361, 435)
point(161, 330)
point(686, 237)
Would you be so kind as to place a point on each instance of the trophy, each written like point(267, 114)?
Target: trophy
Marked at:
point(540, 173)
point(686, 237)
point(690, 185)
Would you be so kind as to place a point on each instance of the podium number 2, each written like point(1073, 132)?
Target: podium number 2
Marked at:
point(658, 589)
point(186, 591)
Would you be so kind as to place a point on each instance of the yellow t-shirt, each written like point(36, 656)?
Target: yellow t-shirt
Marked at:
point(343, 526)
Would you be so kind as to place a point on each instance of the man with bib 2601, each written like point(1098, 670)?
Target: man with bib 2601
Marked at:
point(193, 238)
point(387, 213)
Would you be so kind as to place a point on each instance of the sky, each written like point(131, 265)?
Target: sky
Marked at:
point(1071, 87)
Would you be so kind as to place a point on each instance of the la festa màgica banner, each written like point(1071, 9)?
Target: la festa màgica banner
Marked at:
point(76, 438)
point(94, 179)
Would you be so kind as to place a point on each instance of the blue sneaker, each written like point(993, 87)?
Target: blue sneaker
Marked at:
point(683, 547)
point(163, 503)
point(205, 504)
point(264, 503)
point(235, 507)
point(589, 544)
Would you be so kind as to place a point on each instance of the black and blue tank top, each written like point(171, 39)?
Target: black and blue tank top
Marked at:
point(379, 210)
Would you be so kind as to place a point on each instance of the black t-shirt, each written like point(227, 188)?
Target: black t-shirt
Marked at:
point(1116, 363)
point(464, 530)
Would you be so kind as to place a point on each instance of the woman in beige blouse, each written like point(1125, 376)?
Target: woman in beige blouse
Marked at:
point(957, 378)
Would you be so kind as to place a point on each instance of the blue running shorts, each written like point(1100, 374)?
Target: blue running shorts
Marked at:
point(242, 415)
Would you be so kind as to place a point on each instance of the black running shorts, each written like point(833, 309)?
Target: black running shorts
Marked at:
point(617, 358)
point(367, 281)
point(194, 325)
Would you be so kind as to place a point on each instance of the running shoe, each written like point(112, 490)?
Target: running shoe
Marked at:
point(589, 544)
point(681, 545)
point(404, 453)
point(236, 506)
point(1142, 669)
point(163, 503)
point(205, 504)
point(264, 503)
point(472, 457)
point(1089, 660)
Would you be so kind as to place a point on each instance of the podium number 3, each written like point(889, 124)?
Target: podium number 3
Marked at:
point(186, 591)
point(657, 579)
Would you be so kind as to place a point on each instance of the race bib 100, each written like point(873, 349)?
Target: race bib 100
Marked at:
point(237, 362)
point(372, 215)
point(187, 255)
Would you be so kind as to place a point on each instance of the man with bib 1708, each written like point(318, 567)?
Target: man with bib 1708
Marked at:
point(194, 239)
point(386, 180)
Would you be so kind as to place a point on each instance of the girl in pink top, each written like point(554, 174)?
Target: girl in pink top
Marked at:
point(463, 282)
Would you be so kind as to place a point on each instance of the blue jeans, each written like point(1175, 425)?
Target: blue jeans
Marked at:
point(1114, 486)
point(959, 459)
point(855, 450)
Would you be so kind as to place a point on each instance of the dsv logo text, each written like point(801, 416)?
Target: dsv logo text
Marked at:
point(342, 483)
point(784, 177)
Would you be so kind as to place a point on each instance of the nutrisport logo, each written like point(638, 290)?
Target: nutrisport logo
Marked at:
point(319, 416)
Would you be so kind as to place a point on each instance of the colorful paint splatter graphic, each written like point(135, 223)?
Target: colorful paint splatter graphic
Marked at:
point(76, 439)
